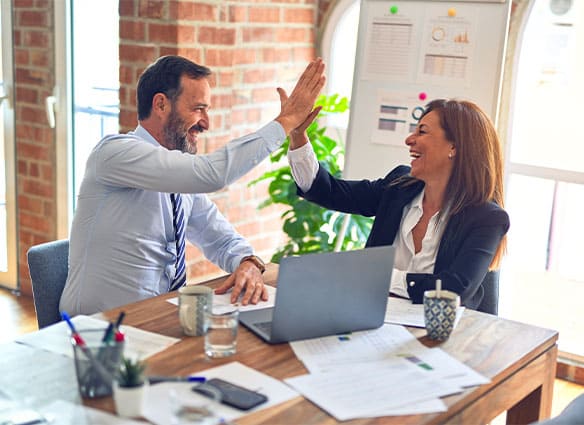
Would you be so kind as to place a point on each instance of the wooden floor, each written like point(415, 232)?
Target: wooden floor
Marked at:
point(18, 316)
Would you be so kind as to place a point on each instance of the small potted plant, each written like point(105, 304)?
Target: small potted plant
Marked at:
point(129, 388)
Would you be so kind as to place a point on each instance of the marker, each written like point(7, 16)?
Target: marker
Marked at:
point(158, 379)
point(81, 343)
point(120, 319)
point(108, 333)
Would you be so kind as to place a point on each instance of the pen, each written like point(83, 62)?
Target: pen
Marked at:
point(120, 319)
point(158, 379)
point(119, 336)
point(81, 343)
point(108, 333)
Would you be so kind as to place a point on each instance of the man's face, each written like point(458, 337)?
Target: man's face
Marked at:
point(189, 115)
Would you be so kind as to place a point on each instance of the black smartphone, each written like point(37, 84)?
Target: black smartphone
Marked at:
point(231, 394)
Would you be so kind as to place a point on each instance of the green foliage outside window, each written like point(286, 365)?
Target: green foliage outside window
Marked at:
point(309, 227)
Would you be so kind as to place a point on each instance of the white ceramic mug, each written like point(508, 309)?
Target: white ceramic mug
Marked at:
point(193, 300)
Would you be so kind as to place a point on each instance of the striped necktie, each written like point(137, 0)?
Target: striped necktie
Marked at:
point(178, 219)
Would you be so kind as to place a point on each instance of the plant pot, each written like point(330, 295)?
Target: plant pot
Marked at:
point(129, 400)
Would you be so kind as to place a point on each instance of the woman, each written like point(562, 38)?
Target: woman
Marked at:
point(443, 214)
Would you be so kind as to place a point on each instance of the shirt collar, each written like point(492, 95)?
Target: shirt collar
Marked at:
point(142, 133)
point(417, 201)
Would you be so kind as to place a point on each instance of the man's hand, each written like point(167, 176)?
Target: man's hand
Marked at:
point(297, 107)
point(247, 277)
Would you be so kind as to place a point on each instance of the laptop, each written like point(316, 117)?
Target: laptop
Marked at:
point(326, 294)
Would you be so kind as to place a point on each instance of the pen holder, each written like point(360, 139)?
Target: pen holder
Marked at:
point(96, 363)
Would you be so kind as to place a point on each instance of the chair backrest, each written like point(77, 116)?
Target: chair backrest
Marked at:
point(490, 302)
point(573, 414)
point(48, 265)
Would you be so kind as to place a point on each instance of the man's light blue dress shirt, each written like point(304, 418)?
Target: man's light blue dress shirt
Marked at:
point(122, 245)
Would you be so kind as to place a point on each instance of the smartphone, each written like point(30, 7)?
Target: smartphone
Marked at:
point(231, 394)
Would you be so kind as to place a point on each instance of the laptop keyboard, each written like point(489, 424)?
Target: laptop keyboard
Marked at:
point(265, 327)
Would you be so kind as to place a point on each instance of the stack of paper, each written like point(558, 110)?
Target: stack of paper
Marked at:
point(382, 372)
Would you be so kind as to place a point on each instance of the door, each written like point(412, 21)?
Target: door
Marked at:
point(8, 237)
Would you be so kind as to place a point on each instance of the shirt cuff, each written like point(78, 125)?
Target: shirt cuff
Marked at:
point(274, 135)
point(304, 166)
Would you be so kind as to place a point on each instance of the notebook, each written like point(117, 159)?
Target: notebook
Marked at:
point(326, 294)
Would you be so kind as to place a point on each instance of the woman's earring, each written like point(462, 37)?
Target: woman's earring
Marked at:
point(450, 155)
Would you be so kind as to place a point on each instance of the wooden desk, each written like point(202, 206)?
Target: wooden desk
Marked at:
point(519, 359)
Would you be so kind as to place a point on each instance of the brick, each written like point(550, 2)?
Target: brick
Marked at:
point(35, 222)
point(137, 54)
point(244, 56)
point(153, 9)
point(31, 115)
point(30, 204)
point(126, 8)
point(34, 170)
point(212, 35)
point(32, 18)
point(264, 14)
point(186, 11)
point(162, 33)
point(40, 58)
point(33, 38)
point(224, 78)
point(272, 55)
point(218, 57)
point(259, 75)
point(33, 151)
point(258, 34)
point(303, 54)
point(22, 167)
point(186, 34)
point(237, 14)
point(300, 15)
point(291, 35)
point(21, 57)
point(264, 95)
point(27, 95)
point(193, 54)
point(133, 30)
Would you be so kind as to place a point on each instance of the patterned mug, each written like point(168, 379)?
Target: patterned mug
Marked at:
point(440, 313)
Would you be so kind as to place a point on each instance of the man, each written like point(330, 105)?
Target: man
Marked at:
point(143, 192)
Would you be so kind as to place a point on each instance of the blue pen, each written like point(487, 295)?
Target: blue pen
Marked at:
point(158, 379)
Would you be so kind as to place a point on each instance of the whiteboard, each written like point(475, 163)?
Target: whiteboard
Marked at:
point(408, 53)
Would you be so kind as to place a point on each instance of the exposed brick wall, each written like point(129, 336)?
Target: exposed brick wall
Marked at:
point(252, 47)
point(35, 140)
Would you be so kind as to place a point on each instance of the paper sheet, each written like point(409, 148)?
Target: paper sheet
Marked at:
point(370, 390)
point(224, 300)
point(404, 312)
point(65, 413)
point(385, 342)
point(56, 338)
point(158, 399)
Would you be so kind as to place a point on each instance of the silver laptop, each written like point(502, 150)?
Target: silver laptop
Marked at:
point(326, 294)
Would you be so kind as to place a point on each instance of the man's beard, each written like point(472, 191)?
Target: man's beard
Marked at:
point(175, 135)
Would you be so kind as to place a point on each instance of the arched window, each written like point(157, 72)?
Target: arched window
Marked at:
point(338, 46)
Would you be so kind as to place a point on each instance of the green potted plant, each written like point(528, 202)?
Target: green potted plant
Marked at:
point(129, 387)
point(309, 227)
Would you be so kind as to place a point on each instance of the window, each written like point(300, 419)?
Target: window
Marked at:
point(87, 86)
point(8, 239)
point(339, 44)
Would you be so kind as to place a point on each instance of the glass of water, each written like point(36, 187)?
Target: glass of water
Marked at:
point(221, 331)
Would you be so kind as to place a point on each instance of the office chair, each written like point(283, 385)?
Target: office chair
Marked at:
point(490, 302)
point(573, 414)
point(48, 265)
